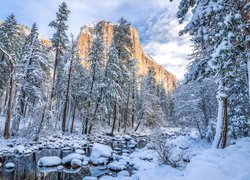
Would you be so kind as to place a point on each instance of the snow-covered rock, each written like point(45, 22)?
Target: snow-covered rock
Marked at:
point(89, 178)
point(20, 149)
point(100, 161)
point(67, 159)
point(123, 173)
point(60, 167)
point(117, 165)
point(100, 150)
point(76, 163)
point(79, 151)
point(127, 137)
point(85, 163)
point(9, 165)
point(49, 161)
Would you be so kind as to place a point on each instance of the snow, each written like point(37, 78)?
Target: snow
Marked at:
point(76, 162)
point(100, 160)
point(123, 173)
point(117, 165)
point(89, 178)
point(9, 165)
point(48, 161)
point(231, 163)
point(85, 163)
point(80, 151)
point(218, 123)
point(20, 149)
point(100, 150)
point(70, 157)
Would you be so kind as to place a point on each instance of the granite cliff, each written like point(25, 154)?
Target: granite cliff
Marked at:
point(144, 61)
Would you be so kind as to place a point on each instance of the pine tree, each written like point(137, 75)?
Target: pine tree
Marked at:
point(32, 78)
point(113, 89)
point(10, 41)
point(216, 29)
point(11, 38)
point(59, 42)
point(150, 113)
point(69, 73)
point(96, 75)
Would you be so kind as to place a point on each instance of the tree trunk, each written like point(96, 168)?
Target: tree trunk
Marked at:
point(114, 120)
point(40, 124)
point(6, 99)
point(224, 133)
point(139, 121)
point(73, 117)
point(53, 80)
point(126, 110)
point(1, 98)
point(221, 125)
point(67, 95)
point(9, 108)
point(136, 128)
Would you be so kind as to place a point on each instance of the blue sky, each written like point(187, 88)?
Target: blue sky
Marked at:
point(154, 19)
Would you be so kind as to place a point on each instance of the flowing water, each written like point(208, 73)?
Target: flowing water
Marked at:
point(26, 164)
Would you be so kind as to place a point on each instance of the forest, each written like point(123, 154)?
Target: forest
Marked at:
point(100, 110)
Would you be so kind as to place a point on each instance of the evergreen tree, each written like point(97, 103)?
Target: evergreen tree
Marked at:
point(32, 78)
point(150, 113)
point(59, 42)
point(216, 29)
point(96, 76)
point(113, 89)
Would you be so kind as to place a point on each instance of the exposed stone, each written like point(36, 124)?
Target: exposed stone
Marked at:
point(144, 61)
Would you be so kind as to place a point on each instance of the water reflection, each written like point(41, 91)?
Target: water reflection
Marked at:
point(26, 165)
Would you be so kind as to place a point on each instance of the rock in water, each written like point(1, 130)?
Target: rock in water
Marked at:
point(49, 161)
point(68, 158)
point(9, 165)
point(100, 150)
point(75, 163)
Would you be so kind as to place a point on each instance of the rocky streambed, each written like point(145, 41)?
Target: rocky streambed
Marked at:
point(69, 157)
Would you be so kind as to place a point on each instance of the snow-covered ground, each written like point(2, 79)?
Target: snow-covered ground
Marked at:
point(231, 163)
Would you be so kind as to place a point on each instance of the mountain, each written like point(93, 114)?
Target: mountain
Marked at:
point(144, 61)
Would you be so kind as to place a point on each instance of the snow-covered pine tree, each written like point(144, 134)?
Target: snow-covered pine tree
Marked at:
point(149, 110)
point(216, 28)
point(130, 87)
point(32, 80)
point(113, 90)
point(96, 75)
point(79, 84)
point(11, 41)
point(11, 38)
point(59, 42)
point(244, 7)
point(124, 46)
point(166, 103)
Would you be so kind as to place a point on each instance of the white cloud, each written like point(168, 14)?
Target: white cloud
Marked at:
point(164, 44)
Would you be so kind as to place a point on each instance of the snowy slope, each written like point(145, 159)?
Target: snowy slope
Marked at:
point(232, 163)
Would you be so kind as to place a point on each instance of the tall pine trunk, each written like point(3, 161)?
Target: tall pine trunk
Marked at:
point(11, 86)
point(114, 120)
point(126, 115)
point(73, 117)
point(221, 125)
point(67, 95)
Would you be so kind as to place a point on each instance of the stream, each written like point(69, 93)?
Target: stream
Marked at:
point(26, 164)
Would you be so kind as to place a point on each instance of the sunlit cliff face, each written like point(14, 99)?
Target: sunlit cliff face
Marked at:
point(144, 61)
